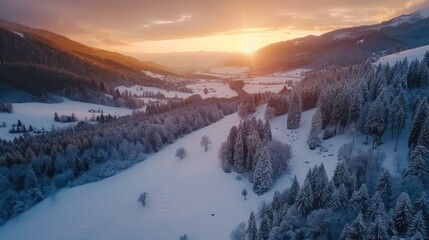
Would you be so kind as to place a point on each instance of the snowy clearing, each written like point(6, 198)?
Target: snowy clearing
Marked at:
point(215, 89)
point(41, 115)
point(412, 54)
point(256, 88)
point(138, 89)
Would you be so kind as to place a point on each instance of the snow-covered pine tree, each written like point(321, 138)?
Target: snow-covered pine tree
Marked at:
point(253, 143)
point(264, 227)
point(418, 164)
point(293, 191)
point(267, 131)
point(339, 199)
point(295, 110)
point(304, 200)
point(403, 214)
point(252, 230)
point(361, 199)
point(418, 226)
point(356, 230)
point(422, 74)
point(316, 127)
point(239, 158)
point(376, 121)
point(422, 204)
point(377, 210)
point(377, 231)
point(424, 135)
point(384, 187)
point(262, 177)
point(419, 120)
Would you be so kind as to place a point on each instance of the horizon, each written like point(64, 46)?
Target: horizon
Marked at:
point(185, 26)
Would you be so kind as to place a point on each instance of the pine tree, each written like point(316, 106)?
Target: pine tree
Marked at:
point(422, 205)
point(418, 122)
point(304, 201)
point(361, 199)
point(418, 164)
point(376, 121)
point(252, 230)
point(356, 230)
point(377, 209)
point(384, 187)
point(239, 158)
point(316, 127)
point(341, 176)
point(377, 231)
point(253, 143)
point(295, 110)
point(339, 200)
point(424, 135)
point(418, 226)
point(267, 131)
point(293, 191)
point(403, 214)
point(262, 177)
point(264, 227)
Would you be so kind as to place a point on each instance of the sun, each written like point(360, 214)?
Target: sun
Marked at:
point(248, 44)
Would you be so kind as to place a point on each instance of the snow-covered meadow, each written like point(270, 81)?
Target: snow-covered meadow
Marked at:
point(411, 54)
point(41, 115)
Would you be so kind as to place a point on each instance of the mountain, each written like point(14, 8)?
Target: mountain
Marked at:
point(40, 61)
point(345, 46)
point(193, 60)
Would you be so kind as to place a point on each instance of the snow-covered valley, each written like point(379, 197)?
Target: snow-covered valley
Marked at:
point(192, 195)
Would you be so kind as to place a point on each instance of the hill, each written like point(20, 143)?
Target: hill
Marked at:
point(345, 46)
point(40, 61)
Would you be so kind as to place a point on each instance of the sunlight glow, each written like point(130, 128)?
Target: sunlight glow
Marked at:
point(242, 40)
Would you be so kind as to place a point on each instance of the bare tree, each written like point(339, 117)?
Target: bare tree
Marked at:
point(205, 142)
point(181, 153)
point(244, 193)
point(142, 198)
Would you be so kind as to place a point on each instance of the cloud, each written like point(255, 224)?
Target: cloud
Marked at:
point(112, 22)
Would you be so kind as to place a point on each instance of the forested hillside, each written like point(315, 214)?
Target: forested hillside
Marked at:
point(362, 200)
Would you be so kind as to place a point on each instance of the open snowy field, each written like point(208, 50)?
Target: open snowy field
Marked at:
point(41, 115)
point(255, 88)
point(138, 89)
point(215, 89)
point(412, 54)
point(182, 194)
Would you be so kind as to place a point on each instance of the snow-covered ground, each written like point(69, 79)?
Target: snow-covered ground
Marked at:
point(41, 115)
point(411, 54)
point(256, 88)
point(182, 194)
point(215, 89)
point(138, 89)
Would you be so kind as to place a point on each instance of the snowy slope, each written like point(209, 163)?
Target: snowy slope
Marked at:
point(182, 194)
point(412, 54)
point(41, 115)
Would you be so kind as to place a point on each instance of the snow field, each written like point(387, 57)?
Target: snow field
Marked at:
point(41, 115)
point(138, 89)
point(411, 54)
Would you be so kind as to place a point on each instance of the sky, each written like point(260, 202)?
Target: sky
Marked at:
point(155, 26)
